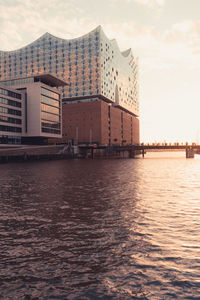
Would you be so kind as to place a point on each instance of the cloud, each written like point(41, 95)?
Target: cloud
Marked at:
point(27, 20)
point(187, 32)
point(23, 21)
point(149, 3)
point(177, 46)
point(184, 31)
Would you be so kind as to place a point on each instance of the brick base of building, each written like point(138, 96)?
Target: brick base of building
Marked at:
point(98, 122)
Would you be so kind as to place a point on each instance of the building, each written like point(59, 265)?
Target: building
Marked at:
point(11, 115)
point(96, 71)
point(40, 108)
point(97, 122)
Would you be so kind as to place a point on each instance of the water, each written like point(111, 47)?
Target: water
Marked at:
point(100, 229)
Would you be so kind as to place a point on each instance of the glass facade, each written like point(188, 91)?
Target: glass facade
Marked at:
point(10, 139)
point(9, 93)
point(20, 81)
point(9, 102)
point(50, 112)
point(10, 116)
point(92, 65)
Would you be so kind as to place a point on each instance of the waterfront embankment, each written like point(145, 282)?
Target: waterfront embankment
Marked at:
point(65, 151)
point(31, 152)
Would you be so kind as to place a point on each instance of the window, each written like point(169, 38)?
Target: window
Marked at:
point(10, 128)
point(50, 94)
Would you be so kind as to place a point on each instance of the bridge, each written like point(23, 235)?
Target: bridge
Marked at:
point(134, 150)
point(190, 150)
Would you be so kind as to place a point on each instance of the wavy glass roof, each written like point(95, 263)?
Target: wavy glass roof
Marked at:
point(92, 64)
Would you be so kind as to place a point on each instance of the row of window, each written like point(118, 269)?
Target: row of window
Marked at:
point(55, 63)
point(38, 54)
point(56, 70)
point(81, 101)
point(83, 88)
point(50, 117)
point(10, 93)
point(46, 54)
point(50, 130)
point(10, 111)
point(18, 81)
point(10, 128)
point(91, 51)
point(50, 101)
point(81, 94)
point(9, 139)
point(50, 109)
point(10, 120)
point(51, 125)
point(74, 67)
point(50, 94)
point(9, 102)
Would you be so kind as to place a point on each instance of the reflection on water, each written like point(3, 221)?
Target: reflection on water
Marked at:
point(101, 229)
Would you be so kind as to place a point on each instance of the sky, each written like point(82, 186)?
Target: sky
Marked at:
point(163, 34)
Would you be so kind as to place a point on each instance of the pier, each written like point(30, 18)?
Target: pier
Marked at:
point(68, 151)
point(131, 151)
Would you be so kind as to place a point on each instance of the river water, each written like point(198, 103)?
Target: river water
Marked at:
point(101, 229)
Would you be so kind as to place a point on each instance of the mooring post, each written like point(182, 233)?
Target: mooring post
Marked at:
point(92, 153)
point(133, 152)
point(25, 156)
point(189, 151)
point(143, 152)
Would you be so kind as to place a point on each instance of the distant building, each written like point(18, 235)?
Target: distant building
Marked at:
point(38, 111)
point(96, 71)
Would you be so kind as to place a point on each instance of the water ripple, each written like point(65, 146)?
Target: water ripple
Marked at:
point(113, 229)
